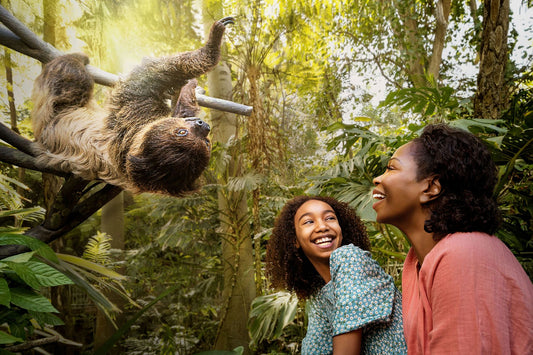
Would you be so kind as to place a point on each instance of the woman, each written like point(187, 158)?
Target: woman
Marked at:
point(319, 249)
point(463, 290)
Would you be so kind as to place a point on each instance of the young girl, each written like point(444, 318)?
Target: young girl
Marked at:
point(463, 290)
point(319, 249)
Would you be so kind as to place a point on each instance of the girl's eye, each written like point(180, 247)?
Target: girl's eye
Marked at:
point(330, 218)
point(182, 132)
point(308, 221)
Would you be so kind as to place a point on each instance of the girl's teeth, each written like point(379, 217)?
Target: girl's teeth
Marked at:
point(323, 240)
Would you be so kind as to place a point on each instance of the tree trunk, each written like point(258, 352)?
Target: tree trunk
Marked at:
point(237, 250)
point(413, 52)
point(442, 13)
point(112, 224)
point(492, 90)
point(51, 183)
point(11, 98)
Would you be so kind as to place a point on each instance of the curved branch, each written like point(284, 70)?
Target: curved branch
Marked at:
point(26, 35)
point(66, 221)
point(23, 160)
point(16, 140)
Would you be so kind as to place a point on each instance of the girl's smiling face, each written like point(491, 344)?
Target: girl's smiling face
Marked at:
point(318, 232)
point(399, 194)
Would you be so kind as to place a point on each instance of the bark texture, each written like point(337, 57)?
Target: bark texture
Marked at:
point(492, 93)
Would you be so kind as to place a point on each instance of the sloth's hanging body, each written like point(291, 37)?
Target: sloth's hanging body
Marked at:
point(133, 141)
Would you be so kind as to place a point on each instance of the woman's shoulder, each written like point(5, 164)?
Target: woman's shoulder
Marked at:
point(472, 250)
point(467, 244)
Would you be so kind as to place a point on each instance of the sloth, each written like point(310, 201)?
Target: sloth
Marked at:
point(135, 141)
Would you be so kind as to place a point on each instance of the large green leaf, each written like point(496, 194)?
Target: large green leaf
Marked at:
point(30, 300)
point(270, 314)
point(5, 295)
point(88, 265)
point(25, 273)
point(34, 244)
point(45, 318)
point(20, 258)
point(47, 275)
point(8, 338)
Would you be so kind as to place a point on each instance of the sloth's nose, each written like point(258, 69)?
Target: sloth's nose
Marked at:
point(199, 127)
point(203, 125)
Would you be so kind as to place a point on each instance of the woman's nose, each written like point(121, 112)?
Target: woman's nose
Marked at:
point(377, 180)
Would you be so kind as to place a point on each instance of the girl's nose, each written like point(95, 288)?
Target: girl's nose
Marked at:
point(321, 225)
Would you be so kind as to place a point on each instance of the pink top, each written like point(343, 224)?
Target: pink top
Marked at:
point(471, 296)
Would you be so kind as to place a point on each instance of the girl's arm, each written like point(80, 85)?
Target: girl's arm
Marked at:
point(348, 343)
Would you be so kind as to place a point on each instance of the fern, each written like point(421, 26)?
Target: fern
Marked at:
point(98, 249)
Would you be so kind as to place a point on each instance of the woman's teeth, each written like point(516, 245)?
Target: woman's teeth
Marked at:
point(378, 196)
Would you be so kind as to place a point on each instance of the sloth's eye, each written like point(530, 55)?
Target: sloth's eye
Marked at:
point(182, 132)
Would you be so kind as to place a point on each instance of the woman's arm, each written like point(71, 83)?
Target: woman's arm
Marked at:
point(348, 343)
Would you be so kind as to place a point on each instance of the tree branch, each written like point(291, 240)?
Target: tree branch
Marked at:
point(23, 40)
point(23, 160)
point(16, 140)
point(67, 213)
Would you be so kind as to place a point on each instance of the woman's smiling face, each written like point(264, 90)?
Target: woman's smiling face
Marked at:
point(398, 192)
point(318, 232)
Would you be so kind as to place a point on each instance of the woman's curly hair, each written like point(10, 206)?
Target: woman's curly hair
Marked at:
point(467, 175)
point(286, 265)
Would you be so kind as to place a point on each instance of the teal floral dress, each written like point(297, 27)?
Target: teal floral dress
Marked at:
point(359, 295)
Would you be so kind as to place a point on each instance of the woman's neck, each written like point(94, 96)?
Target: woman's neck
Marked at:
point(422, 244)
point(421, 241)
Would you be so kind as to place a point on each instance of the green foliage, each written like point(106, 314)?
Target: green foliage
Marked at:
point(237, 351)
point(108, 345)
point(98, 249)
point(183, 254)
point(21, 278)
point(270, 314)
point(425, 101)
point(513, 153)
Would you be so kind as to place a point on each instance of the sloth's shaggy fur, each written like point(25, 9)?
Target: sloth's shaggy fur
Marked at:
point(134, 141)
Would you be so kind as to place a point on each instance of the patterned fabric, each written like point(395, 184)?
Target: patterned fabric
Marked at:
point(359, 295)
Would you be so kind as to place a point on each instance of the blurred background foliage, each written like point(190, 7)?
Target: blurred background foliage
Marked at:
point(336, 88)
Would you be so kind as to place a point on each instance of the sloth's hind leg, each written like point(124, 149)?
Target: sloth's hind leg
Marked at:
point(64, 84)
point(67, 81)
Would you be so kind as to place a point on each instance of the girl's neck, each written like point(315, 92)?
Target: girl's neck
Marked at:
point(323, 270)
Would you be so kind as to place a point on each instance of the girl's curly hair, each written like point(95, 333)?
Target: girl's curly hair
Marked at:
point(467, 175)
point(287, 266)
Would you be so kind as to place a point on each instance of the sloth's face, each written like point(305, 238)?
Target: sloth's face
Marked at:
point(170, 155)
point(196, 127)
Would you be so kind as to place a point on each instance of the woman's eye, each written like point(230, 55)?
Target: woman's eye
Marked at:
point(182, 132)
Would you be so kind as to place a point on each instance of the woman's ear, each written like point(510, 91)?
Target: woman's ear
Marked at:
point(432, 190)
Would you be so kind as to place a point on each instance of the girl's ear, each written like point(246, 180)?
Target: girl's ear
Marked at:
point(297, 244)
point(432, 189)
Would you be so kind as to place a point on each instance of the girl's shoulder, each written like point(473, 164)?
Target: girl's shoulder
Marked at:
point(349, 251)
point(350, 259)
